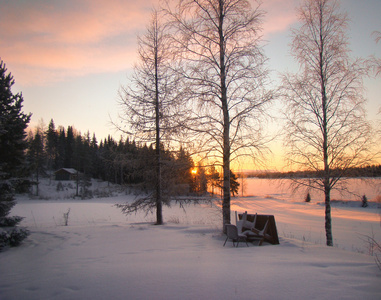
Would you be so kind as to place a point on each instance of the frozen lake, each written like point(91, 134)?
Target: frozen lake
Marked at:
point(280, 188)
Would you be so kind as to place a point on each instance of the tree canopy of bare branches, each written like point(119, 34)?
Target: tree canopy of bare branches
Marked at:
point(377, 61)
point(326, 131)
point(219, 42)
point(152, 102)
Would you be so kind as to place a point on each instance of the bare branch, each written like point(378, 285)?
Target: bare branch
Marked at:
point(327, 131)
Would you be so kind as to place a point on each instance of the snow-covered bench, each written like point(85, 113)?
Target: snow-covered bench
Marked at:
point(258, 227)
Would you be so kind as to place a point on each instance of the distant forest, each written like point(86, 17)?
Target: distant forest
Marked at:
point(122, 162)
point(366, 171)
point(126, 162)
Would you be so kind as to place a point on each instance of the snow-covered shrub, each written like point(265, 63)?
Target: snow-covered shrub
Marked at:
point(86, 193)
point(10, 221)
point(103, 193)
point(21, 185)
point(308, 198)
point(12, 236)
point(9, 234)
point(60, 186)
point(364, 201)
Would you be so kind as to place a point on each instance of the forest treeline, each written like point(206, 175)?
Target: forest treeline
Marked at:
point(122, 162)
point(365, 171)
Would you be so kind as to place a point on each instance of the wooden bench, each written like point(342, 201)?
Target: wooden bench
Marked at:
point(270, 234)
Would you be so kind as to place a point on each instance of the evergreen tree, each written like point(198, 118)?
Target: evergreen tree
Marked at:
point(13, 123)
point(61, 151)
point(52, 146)
point(203, 180)
point(184, 166)
point(36, 157)
point(200, 180)
point(95, 159)
point(234, 184)
point(10, 235)
point(68, 162)
point(87, 155)
point(214, 178)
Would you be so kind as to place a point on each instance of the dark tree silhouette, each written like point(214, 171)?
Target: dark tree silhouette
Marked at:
point(13, 123)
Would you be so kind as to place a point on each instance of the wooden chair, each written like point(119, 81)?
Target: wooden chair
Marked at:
point(258, 227)
point(232, 233)
point(257, 234)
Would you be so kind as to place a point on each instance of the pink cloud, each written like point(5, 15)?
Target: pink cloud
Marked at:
point(77, 38)
point(46, 41)
point(280, 14)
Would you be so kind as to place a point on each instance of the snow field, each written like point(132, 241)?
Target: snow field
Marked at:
point(101, 254)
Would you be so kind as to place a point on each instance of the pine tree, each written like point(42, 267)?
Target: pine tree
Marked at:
point(184, 167)
point(214, 178)
point(10, 235)
point(68, 162)
point(234, 184)
point(13, 123)
point(61, 150)
point(36, 156)
point(52, 146)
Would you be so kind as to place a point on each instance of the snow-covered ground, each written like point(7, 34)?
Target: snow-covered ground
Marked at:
point(103, 254)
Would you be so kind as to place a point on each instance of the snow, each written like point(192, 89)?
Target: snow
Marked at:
point(103, 254)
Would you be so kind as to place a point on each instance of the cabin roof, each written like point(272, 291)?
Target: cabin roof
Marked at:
point(68, 170)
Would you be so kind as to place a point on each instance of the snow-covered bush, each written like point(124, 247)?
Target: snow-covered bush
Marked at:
point(308, 198)
point(103, 193)
point(364, 201)
point(60, 186)
point(10, 235)
point(10, 221)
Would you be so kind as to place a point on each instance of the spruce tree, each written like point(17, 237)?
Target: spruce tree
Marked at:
point(36, 157)
point(61, 150)
point(184, 166)
point(234, 184)
point(13, 123)
point(52, 146)
point(70, 140)
point(10, 235)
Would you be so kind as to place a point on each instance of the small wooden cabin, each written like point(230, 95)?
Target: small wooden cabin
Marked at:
point(66, 174)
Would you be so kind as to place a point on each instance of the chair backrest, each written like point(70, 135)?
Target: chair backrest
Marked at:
point(263, 231)
point(231, 231)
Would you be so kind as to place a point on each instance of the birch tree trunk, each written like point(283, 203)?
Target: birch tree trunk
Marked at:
point(224, 65)
point(326, 130)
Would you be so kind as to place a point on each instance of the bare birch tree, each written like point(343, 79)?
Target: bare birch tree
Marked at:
point(376, 61)
point(326, 130)
point(219, 42)
point(151, 105)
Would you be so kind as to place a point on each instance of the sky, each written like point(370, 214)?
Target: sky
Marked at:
point(69, 58)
